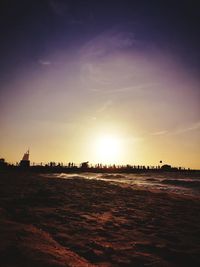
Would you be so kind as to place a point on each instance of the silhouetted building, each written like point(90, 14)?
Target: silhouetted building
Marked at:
point(25, 162)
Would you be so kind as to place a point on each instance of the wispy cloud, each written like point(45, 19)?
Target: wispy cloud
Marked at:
point(105, 106)
point(133, 88)
point(160, 132)
point(44, 62)
point(108, 42)
point(112, 63)
point(192, 127)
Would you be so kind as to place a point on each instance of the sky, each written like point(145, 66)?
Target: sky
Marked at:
point(100, 81)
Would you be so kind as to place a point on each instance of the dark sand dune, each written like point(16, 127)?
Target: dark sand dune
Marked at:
point(55, 222)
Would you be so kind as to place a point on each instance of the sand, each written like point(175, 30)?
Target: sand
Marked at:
point(48, 222)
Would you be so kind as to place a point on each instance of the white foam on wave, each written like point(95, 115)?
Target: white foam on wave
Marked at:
point(181, 182)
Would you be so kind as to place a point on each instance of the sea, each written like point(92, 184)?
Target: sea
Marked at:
point(184, 183)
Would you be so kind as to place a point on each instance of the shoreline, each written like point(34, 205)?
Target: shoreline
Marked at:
point(58, 169)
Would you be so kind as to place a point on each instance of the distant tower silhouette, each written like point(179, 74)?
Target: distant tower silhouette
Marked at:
point(25, 162)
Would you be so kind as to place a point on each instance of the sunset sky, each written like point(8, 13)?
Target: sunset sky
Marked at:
point(100, 81)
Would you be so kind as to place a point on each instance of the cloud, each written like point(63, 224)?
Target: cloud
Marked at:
point(113, 63)
point(105, 106)
point(160, 132)
point(134, 88)
point(193, 127)
point(44, 62)
point(119, 72)
point(108, 42)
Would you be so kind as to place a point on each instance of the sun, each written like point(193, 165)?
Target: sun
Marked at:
point(108, 149)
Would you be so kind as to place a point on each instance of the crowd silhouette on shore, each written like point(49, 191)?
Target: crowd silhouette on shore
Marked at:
point(84, 167)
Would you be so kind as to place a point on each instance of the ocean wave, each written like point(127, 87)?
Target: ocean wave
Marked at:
point(193, 184)
point(64, 176)
point(112, 176)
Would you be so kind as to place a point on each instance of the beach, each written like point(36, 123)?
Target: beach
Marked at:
point(54, 222)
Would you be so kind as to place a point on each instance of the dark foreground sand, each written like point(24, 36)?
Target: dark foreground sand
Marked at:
point(56, 223)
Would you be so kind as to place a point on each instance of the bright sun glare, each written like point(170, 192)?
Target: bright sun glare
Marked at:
point(108, 149)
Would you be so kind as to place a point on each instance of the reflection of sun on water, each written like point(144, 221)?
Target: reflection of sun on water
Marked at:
point(108, 149)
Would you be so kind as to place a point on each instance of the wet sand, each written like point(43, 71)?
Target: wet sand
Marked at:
point(49, 222)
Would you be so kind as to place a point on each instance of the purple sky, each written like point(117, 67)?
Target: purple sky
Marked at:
point(72, 72)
